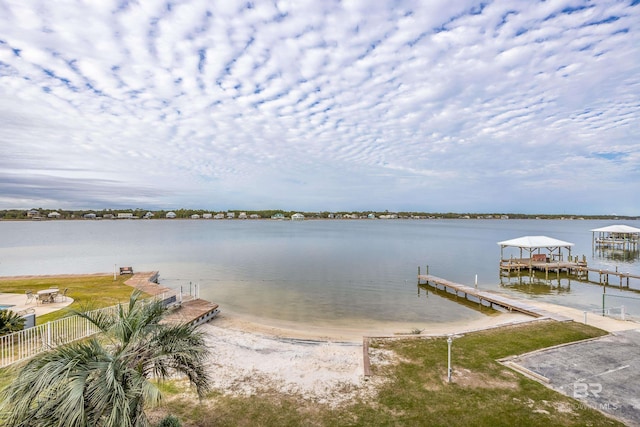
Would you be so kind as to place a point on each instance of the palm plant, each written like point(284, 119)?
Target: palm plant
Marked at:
point(105, 380)
point(10, 322)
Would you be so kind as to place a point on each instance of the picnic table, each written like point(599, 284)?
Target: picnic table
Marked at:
point(47, 295)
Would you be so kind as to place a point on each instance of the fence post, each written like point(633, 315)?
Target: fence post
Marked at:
point(49, 334)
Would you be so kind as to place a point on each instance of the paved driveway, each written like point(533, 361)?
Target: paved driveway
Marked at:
point(603, 373)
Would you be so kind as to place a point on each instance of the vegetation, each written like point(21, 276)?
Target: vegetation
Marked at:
point(416, 392)
point(10, 322)
point(83, 290)
point(40, 213)
point(105, 380)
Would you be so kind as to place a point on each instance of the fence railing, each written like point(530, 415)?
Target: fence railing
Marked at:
point(27, 343)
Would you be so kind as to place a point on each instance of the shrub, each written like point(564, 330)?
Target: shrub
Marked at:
point(170, 421)
point(10, 322)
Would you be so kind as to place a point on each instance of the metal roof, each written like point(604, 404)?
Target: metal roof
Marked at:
point(618, 229)
point(535, 242)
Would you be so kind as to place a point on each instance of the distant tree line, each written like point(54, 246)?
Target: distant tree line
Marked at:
point(45, 214)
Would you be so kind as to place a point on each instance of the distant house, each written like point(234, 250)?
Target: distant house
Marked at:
point(219, 216)
point(231, 215)
point(170, 215)
point(297, 217)
point(148, 215)
point(242, 215)
point(255, 216)
point(371, 216)
point(89, 216)
point(125, 215)
point(277, 216)
point(54, 215)
point(107, 216)
point(195, 216)
point(33, 213)
point(207, 216)
point(389, 216)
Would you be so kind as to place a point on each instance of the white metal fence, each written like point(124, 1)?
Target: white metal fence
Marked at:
point(27, 343)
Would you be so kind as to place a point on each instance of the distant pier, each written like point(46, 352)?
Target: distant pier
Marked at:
point(575, 267)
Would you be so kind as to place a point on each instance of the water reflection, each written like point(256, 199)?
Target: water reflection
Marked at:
point(536, 283)
point(618, 255)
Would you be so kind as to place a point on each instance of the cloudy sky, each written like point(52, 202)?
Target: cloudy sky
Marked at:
point(435, 106)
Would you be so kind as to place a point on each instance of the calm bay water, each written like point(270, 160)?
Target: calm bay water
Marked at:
point(345, 273)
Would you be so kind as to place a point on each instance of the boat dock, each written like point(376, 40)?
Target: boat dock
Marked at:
point(183, 308)
point(194, 311)
point(576, 268)
point(484, 298)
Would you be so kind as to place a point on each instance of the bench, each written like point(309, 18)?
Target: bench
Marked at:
point(539, 258)
point(126, 270)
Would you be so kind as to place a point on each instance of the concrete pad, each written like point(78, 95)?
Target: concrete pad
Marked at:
point(19, 304)
point(603, 373)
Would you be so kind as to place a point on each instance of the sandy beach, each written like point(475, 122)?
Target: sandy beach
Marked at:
point(319, 365)
point(326, 365)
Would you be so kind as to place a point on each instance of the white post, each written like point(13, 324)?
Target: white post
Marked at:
point(476, 281)
point(114, 271)
point(449, 341)
point(622, 312)
point(49, 334)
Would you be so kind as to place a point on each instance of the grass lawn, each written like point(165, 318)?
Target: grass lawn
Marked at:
point(88, 292)
point(483, 392)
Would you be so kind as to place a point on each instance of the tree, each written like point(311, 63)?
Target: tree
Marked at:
point(105, 380)
point(10, 322)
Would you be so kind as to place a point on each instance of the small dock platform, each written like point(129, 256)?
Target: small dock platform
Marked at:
point(485, 298)
point(183, 308)
point(544, 264)
point(195, 312)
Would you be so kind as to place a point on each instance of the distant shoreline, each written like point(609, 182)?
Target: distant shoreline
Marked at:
point(311, 218)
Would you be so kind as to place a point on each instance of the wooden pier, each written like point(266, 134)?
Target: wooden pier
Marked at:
point(194, 311)
point(575, 268)
point(183, 308)
point(484, 298)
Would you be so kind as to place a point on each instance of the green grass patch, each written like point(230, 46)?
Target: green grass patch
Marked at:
point(416, 392)
point(88, 292)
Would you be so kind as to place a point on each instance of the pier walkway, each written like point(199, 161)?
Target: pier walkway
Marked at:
point(488, 299)
point(184, 308)
point(577, 268)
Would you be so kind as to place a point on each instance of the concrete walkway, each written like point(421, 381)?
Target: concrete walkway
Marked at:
point(605, 323)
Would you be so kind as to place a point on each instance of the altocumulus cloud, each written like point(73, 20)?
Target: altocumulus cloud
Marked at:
point(321, 105)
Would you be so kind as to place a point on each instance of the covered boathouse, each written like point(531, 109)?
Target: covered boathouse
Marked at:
point(622, 237)
point(539, 253)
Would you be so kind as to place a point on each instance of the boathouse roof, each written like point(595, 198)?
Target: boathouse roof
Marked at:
point(618, 229)
point(535, 242)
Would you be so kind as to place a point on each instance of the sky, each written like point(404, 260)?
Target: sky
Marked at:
point(424, 106)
